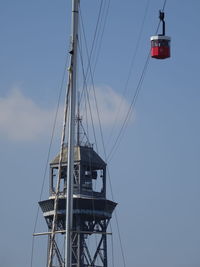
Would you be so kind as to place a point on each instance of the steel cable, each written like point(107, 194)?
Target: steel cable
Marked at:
point(130, 71)
point(93, 42)
point(134, 99)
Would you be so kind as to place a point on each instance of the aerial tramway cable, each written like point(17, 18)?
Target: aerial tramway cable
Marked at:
point(98, 35)
point(104, 150)
point(85, 75)
point(129, 71)
point(124, 125)
point(133, 101)
point(89, 69)
point(101, 133)
point(96, 104)
point(121, 246)
point(90, 56)
point(132, 105)
point(88, 100)
point(94, 39)
point(103, 21)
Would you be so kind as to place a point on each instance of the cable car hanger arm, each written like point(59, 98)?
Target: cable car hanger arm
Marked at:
point(161, 17)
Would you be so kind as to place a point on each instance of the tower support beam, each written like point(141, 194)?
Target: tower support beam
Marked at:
point(71, 134)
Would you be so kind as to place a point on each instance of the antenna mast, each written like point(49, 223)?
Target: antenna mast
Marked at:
point(78, 121)
point(71, 141)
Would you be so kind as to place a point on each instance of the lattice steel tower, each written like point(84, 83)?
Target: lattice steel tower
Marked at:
point(77, 211)
point(91, 210)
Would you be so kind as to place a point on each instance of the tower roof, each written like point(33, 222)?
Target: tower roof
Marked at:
point(84, 154)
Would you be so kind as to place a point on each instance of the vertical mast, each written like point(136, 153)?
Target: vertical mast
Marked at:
point(78, 120)
point(71, 136)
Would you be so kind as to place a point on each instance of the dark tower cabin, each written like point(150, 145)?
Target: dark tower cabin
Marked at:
point(91, 210)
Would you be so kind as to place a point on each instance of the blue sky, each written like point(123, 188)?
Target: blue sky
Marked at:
point(154, 171)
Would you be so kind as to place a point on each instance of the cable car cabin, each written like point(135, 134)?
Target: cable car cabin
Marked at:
point(160, 46)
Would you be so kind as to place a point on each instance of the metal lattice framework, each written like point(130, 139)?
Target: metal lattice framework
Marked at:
point(77, 209)
point(91, 210)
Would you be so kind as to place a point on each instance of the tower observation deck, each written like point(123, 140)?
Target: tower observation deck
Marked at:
point(92, 211)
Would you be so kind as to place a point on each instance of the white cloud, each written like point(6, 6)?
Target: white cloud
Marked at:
point(21, 119)
point(111, 105)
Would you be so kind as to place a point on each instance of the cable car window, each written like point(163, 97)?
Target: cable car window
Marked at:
point(161, 43)
point(165, 43)
point(154, 43)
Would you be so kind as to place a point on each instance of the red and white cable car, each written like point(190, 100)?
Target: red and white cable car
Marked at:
point(160, 44)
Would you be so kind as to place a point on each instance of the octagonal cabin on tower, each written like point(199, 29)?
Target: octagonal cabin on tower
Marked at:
point(89, 172)
point(89, 194)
